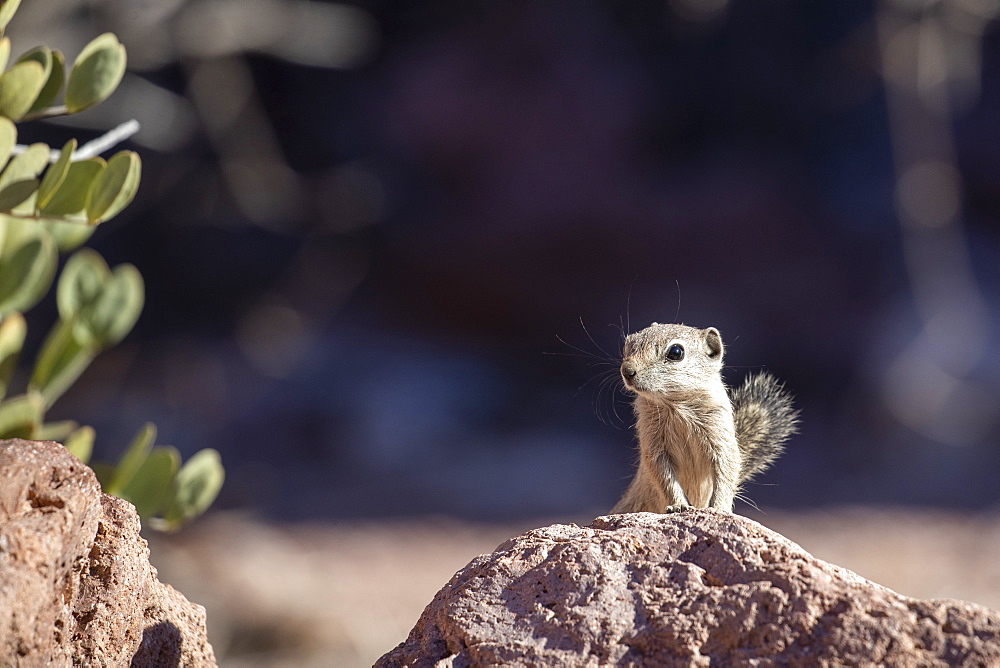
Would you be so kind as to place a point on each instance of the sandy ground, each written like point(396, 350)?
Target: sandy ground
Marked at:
point(344, 594)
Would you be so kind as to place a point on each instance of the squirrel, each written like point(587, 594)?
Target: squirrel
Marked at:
point(698, 442)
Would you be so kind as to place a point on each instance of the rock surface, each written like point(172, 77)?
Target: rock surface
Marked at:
point(76, 585)
point(684, 589)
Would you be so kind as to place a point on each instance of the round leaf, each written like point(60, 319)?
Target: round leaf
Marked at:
point(8, 137)
point(41, 55)
point(103, 471)
point(56, 174)
point(149, 488)
point(17, 182)
point(27, 265)
point(21, 170)
point(114, 187)
point(53, 83)
point(81, 283)
point(14, 194)
point(4, 51)
point(115, 311)
point(70, 198)
point(68, 202)
point(195, 487)
point(20, 416)
point(57, 431)
point(132, 459)
point(103, 41)
point(12, 332)
point(96, 73)
point(81, 443)
point(7, 9)
point(26, 166)
point(19, 88)
point(68, 236)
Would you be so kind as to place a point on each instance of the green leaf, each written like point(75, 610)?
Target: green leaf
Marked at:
point(148, 490)
point(27, 264)
point(8, 137)
point(70, 198)
point(55, 175)
point(24, 168)
point(102, 42)
point(81, 282)
point(21, 415)
point(114, 187)
point(53, 83)
point(41, 55)
point(68, 236)
point(17, 193)
point(4, 50)
point(28, 165)
point(132, 459)
point(115, 311)
point(56, 431)
point(7, 9)
point(102, 305)
point(104, 473)
point(81, 443)
point(61, 361)
point(195, 487)
point(20, 87)
point(12, 332)
point(96, 73)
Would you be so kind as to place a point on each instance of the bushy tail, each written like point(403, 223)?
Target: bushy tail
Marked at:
point(764, 418)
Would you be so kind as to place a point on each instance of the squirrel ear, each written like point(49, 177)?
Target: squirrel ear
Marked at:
point(713, 342)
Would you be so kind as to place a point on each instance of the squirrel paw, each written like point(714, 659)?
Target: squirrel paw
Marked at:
point(676, 508)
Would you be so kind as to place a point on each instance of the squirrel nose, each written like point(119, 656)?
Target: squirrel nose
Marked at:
point(628, 370)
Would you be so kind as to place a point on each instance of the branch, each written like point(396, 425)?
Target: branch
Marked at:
point(50, 112)
point(96, 146)
point(48, 219)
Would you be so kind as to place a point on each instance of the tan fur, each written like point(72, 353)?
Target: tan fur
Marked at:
point(688, 453)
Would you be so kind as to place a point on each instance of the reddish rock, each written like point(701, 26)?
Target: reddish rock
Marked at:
point(76, 585)
point(690, 588)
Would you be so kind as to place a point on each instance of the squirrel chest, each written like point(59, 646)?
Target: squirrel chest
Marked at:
point(687, 446)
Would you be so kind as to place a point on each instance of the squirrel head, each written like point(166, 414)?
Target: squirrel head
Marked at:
point(665, 362)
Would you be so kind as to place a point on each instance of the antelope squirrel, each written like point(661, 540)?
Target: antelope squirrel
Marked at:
point(698, 442)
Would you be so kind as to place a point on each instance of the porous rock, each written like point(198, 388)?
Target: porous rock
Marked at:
point(690, 588)
point(76, 585)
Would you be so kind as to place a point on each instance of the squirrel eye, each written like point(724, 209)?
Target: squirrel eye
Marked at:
point(675, 353)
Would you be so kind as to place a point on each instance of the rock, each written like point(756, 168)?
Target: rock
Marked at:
point(690, 588)
point(76, 585)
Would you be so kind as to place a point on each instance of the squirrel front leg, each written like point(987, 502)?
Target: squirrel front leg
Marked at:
point(726, 469)
point(654, 489)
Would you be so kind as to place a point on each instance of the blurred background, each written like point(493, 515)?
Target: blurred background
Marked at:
point(390, 249)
